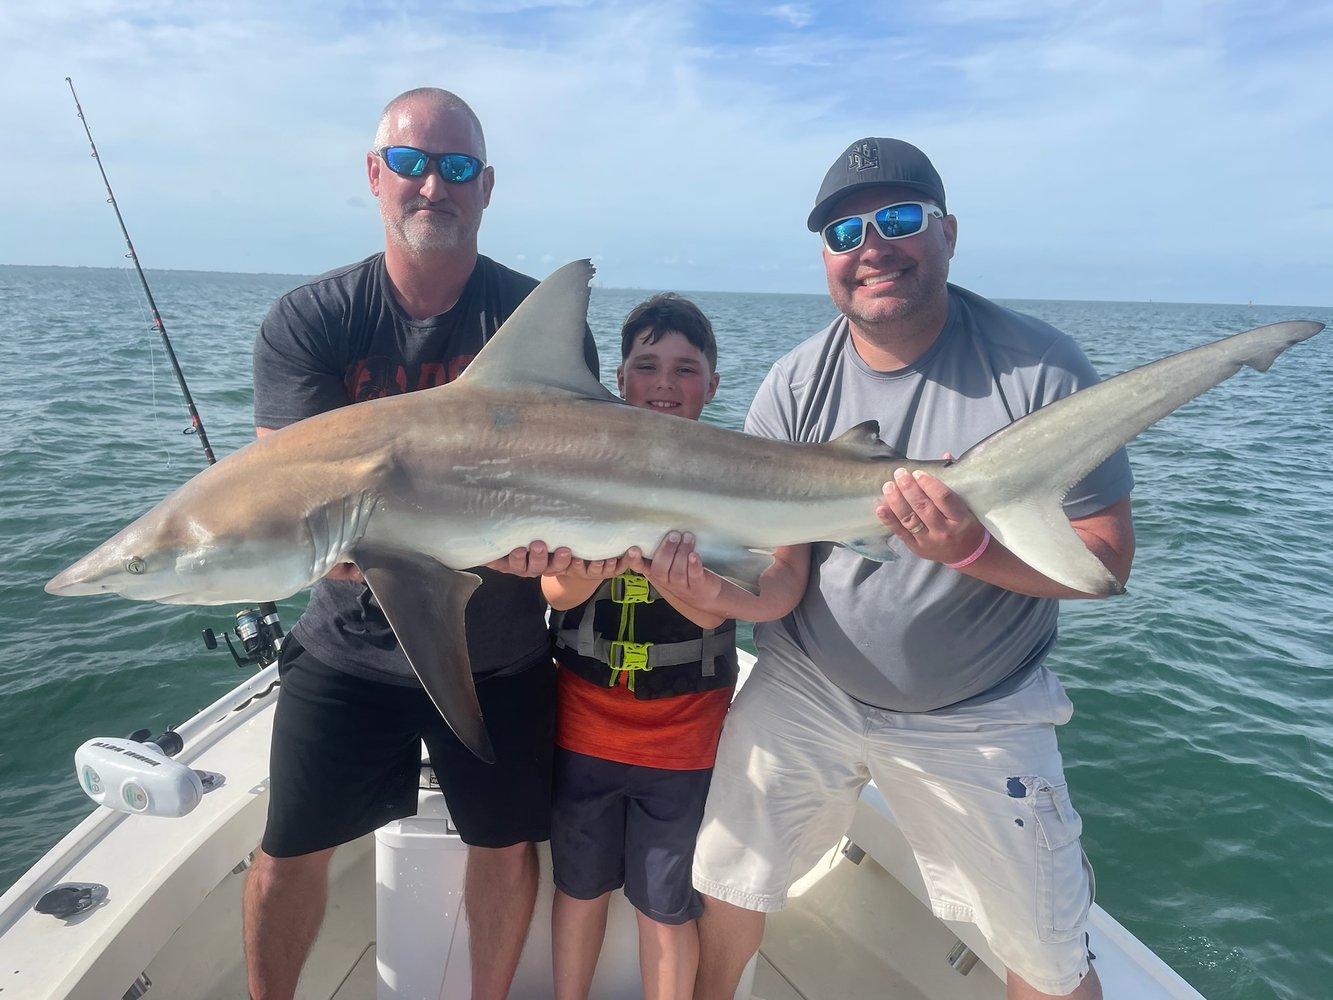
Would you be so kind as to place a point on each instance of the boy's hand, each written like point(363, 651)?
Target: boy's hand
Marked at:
point(596, 569)
point(677, 568)
point(534, 560)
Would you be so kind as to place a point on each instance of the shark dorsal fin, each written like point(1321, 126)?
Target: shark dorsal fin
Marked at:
point(863, 442)
point(541, 344)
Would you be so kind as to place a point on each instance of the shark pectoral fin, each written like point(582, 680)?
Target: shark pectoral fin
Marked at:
point(424, 602)
point(1041, 536)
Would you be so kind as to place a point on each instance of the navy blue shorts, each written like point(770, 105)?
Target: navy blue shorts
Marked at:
point(346, 757)
point(619, 824)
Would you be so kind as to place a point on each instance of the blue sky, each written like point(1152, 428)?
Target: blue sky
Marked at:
point(1177, 151)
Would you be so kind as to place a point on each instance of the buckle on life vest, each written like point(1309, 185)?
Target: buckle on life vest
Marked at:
point(630, 588)
point(628, 655)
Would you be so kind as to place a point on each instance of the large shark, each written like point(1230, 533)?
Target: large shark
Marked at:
point(527, 444)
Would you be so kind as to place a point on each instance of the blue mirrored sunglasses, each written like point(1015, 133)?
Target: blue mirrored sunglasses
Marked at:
point(894, 222)
point(408, 161)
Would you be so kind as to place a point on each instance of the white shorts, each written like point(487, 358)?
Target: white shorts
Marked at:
point(979, 792)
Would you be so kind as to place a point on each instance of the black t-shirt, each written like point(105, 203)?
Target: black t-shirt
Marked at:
point(342, 338)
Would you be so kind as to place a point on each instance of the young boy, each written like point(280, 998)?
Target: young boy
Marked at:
point(645, 680)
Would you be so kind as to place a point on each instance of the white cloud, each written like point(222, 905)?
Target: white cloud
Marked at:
point(797, 15)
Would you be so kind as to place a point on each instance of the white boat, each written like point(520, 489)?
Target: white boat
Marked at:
point(169, 924)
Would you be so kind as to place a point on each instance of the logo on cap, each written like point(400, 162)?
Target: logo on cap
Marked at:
point(863, 156)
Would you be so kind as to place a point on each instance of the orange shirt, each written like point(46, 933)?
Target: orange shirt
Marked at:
point(678, 733)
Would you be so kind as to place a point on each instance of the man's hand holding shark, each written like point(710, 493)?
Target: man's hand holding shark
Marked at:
point(933, 522)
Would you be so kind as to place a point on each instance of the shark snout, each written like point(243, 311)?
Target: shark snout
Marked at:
point(69, 584)
point(91, 575)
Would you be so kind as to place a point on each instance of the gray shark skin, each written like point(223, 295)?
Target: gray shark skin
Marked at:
point(526, 444)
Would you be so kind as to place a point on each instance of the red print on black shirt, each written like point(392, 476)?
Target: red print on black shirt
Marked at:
point(372, 378)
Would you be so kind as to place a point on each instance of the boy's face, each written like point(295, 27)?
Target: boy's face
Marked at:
point(669, 376)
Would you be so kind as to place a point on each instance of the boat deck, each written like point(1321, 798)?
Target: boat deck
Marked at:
point(829, 943)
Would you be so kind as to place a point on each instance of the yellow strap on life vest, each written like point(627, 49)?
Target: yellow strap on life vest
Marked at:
point(630, 655)
point(631, 588)
point(628, 590)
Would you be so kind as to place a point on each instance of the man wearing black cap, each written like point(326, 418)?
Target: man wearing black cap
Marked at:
point(926, 674)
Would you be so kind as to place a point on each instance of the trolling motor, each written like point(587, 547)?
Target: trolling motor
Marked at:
point(259, 633)
point(137, 775)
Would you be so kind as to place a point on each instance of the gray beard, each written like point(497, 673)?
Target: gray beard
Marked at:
point(422, 235)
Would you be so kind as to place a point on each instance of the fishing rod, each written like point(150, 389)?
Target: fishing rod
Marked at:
point(196, 425)
point(258, 628)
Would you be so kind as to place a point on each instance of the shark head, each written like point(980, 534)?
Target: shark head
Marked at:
point(185, 552)
point(160, 559)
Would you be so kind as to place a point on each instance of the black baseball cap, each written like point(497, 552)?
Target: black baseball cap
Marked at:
point(870, 162)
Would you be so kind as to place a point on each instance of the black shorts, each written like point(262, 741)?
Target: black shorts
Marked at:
point(622, 824)
point(346, 757)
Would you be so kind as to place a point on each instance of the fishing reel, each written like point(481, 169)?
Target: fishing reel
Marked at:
point(257, 630)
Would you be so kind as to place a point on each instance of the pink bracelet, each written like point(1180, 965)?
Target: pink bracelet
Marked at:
point(985, 540)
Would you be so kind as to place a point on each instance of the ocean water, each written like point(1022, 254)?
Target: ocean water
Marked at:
point(1201, 751)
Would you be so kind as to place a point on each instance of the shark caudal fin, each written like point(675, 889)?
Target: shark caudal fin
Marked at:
point(1016, 479)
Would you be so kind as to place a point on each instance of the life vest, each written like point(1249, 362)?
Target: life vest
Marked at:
point(600, 640)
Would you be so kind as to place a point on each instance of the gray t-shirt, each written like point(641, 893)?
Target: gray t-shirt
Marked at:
point(913, 635)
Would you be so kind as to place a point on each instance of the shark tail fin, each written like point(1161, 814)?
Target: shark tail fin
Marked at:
point(1270, 341)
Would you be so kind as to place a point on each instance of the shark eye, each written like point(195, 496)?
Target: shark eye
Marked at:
point(136, 566)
